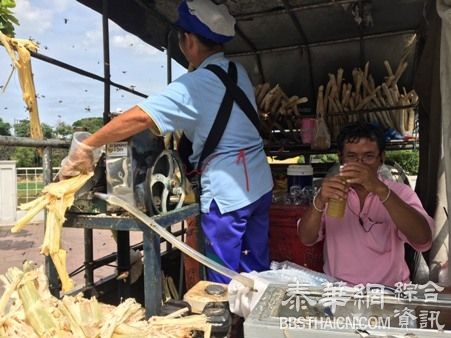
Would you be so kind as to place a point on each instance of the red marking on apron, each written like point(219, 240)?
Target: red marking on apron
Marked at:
point(242, 157)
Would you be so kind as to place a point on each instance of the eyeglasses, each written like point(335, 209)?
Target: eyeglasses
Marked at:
point(368, 158)
point(368, 225)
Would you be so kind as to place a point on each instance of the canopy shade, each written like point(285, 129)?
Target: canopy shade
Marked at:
point(294, 43)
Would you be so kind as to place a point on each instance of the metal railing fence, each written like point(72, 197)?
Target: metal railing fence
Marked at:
point(30, 181)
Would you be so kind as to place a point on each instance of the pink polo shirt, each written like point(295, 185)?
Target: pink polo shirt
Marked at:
point(374, 252)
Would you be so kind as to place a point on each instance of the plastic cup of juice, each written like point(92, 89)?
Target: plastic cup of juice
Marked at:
point(335, 207)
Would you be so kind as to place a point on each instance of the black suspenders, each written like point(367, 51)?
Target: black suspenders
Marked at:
point(233, 94)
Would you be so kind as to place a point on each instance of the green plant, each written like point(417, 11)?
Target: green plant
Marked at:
point(4, 128)
point(408, 160)
point(58, 154)
point(91, 124)
point(25, 157)
point(22, 129)
point(7, 19)
point(325, 158)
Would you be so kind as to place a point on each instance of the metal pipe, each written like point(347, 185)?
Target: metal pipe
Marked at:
point(361, 40)
point(417, 53)
point(324, 43)
point(89, 258)
point(82, 72)
point(106, 63)
point(29, 142)
point(47, 166)
point(356, 112)
point(301, 32)
point(152, 272)
point(110, 258)
point(49, 266)
point(123, 263)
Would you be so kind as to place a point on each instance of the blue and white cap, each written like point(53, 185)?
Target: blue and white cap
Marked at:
point(205, 18)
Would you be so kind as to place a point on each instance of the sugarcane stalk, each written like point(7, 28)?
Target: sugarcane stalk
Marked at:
point(401, 68)
point(32, 212)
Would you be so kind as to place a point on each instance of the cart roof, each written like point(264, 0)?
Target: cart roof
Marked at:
point(291, 42)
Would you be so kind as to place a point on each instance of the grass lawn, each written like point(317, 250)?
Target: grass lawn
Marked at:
point(34, 188)
point(30, 186)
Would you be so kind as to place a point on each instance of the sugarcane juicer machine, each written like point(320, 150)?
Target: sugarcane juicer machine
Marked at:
point(139, 171)
point(144, 187)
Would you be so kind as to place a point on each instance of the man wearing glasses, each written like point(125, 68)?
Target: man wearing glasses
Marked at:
point(367, 244)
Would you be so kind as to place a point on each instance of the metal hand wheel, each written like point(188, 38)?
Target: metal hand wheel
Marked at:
point(165, 182)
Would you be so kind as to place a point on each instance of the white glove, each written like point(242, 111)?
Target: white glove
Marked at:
point(81, 158)
point(242, 299)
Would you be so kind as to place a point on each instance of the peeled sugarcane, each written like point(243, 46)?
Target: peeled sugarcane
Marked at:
point(57, 198)
point(380, 102)
point(401, 68)
point(264, 89)
point(120, 314)
point(331, 103)
point(413, 99)
point(389, 70)
point(19, 52)
point(269, 97)
point(340, 97)
point(277, 110)
point(34, 312)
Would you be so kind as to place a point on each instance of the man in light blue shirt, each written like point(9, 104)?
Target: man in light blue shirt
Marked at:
point(236, 179)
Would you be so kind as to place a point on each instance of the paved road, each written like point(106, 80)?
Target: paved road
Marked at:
point(15, 248)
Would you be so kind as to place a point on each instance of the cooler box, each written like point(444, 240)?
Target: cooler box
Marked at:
point(284, 243)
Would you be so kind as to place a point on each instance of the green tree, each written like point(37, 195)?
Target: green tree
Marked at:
point(58, 154)
point(7, 19)
point(91, 124)
point(25, 157)
point(47, 130)
point(22, 129)
point(4, 128)
point(5, 151)
point(409, 160)
point(63, 130)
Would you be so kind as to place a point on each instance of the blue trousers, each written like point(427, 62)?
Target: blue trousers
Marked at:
point(237, 239)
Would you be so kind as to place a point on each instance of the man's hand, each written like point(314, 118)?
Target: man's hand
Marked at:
point(81, 158)
point(79, 161)
point(364, 175)
point(332, 187)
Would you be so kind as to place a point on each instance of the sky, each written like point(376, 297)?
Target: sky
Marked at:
point(70, 32)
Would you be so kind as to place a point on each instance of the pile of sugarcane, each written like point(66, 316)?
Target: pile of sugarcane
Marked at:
point(28, 310)
point(362, 100)
point(278, 111)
